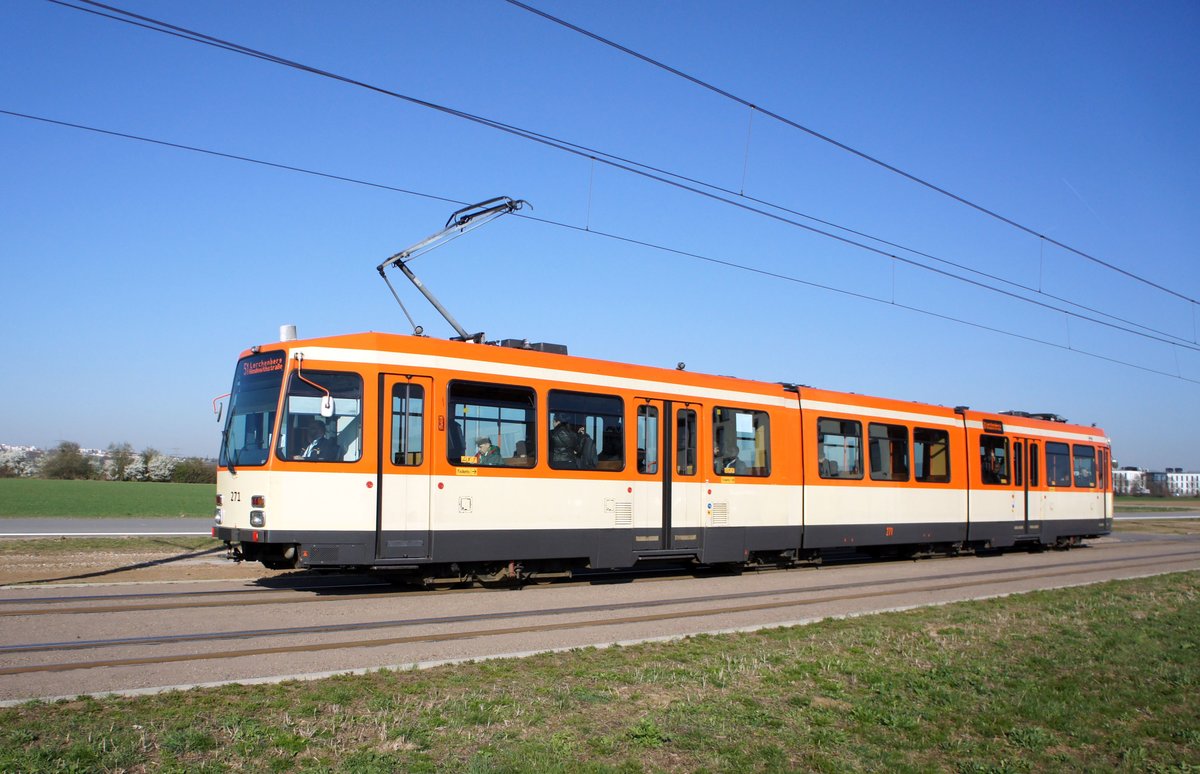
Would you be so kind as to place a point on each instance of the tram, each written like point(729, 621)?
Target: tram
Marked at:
point(435, 459)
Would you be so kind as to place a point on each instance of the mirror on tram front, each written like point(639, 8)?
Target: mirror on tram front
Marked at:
point(327, 406)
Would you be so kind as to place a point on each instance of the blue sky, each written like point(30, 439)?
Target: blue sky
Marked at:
point(134, 274)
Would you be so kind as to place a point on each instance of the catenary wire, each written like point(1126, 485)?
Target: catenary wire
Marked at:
point(606, 235)
point(842, 146)
point(836, 237)
point(634, 167)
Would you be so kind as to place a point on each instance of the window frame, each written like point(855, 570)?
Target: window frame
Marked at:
point(945, 446)
point(856, 471)
point(574, 402)
point(1005, 474)
point(284, 448)
point(1061, 481)
point(401, 425)
point(529, 423)
point(871, 447)
point(762, 442)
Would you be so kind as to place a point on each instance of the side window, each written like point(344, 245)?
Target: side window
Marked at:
point(647, 439)
point(993, 459)
point(839, 448)
point(306, 434)
point(1018, 463)
point(888, 450)
point(1058, 464)
point(1034, 469)
point(408, 426)
point(586, 431)
point(931, 455)
point(685, 442)
point(492, 425)
point(741, 442)
point(1085, 466)
point(1103, 469)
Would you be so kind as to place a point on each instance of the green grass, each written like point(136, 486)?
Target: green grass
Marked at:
point(1129, 504)
point(33, 497)
point(1097, 678)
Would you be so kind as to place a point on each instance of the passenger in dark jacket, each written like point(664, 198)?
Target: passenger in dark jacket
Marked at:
point(564, 445)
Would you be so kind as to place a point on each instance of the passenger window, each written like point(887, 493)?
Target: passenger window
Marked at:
point(839, 448)
point(685, 442)
point(586, 431)
point(888, 450)
point(931, 455)
point(741, 442)
point(1018, 463)
point(307, 435)
point(491, 425)
point(1034, 470)
point(1085, 466)
point(408, 425)
point(993, 459)
point(647, 439)
point(1058, 464)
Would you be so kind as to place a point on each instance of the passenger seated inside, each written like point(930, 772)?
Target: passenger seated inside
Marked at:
point(728, 461)
point(487, 454)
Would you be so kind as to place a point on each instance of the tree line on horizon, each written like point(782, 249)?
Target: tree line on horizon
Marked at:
point(120, 462)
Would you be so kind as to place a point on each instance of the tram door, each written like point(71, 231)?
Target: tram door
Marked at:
point(1027, 474)
point(667, 503)
point(402, 518)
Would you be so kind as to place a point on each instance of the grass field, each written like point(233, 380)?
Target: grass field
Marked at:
point(1097, 678)
point(32, 497)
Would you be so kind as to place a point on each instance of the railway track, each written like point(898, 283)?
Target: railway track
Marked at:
point(545, 620)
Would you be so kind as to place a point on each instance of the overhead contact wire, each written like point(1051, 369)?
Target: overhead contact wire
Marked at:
point(618, 162)
point(843, 146)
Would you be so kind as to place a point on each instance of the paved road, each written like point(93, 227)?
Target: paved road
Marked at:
point(66, 640)
point(67, 527)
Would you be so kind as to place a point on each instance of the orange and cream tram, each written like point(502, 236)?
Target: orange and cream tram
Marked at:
point(448, 459)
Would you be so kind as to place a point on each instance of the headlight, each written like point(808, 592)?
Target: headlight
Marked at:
point(257, 519)
point(217, 514)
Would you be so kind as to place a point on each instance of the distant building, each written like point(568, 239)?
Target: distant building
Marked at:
point(1130, 481)
point(1174, 482)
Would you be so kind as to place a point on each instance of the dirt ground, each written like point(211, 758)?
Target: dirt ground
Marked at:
point(145, 565)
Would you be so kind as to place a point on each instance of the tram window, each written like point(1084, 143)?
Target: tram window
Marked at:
point(839, 448)
point(586, 431)
point(741, 442)
point(888, 450)
point(1058, 464)
point(252, 403)
point(1018, 463)
point(1102, 469)
point(1034, 470)
point(647, 439)
point(408, 425)
point(490, 425)
point(993, 459)
point(931, 455)
point(308, 436)
point(685, 442)
point(1085, 466)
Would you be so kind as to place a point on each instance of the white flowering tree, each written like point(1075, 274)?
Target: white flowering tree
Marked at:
point(161, 468)
point(17, 463)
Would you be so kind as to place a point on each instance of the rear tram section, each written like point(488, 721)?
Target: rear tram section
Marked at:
point(445, 460)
